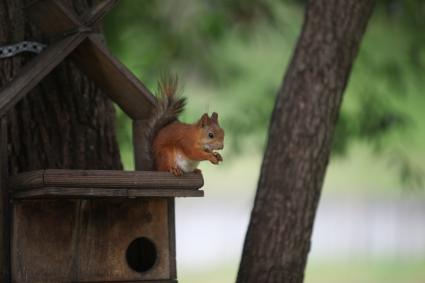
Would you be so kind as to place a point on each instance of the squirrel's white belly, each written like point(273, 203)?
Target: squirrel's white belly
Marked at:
point(186, 165)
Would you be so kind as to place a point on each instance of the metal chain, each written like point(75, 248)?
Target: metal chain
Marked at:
point(24, 46)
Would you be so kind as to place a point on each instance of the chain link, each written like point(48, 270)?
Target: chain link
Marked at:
point(24, 46)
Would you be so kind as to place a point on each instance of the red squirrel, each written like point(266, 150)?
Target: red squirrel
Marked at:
point(179, 147)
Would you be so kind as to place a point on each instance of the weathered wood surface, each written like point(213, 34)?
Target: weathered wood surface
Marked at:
point(65, 21)
point(94, 59)
point(53, 17)
point(4, 206)
point(172, 237)
point(83, 193)
point(65, 244)
point(29, 76)
point(85, 241)
point(97, 13)
point(104, 179)
point(113, 77)
point(57, 183)
point(140, 281)
point(73, 240)
point(142, 160)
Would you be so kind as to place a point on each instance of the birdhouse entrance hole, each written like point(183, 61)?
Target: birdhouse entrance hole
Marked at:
point(141, 254)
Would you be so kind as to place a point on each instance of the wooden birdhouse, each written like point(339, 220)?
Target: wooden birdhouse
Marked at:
point(129, 233)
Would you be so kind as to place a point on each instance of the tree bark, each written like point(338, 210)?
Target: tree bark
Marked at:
point(278, 239)
point(65, 122)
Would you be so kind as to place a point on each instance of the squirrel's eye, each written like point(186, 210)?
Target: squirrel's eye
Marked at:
point(211, 135)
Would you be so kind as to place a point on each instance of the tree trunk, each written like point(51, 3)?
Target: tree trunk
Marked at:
point(300, 135)
point(65, 122)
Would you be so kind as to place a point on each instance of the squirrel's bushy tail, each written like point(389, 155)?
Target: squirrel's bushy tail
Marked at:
point(167, 109)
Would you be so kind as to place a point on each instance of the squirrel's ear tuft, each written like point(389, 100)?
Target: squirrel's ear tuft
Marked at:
point(214, 117)
point(204, 121)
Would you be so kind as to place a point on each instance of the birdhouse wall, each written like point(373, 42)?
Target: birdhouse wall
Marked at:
point(88, 240)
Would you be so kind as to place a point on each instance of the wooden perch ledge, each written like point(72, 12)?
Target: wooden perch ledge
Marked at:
point(57, 183)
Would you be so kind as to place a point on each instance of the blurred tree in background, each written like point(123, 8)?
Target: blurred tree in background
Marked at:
point(231, 55)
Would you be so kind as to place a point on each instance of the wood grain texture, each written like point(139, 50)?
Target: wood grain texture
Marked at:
point(104, 179)
point(46, 12)
point(139, 281)
point(80, 240)
point(85, 193)
point(87, 243)
point(142, 150)
point(65, 122)
point(57, 183)
point(96, 14)
point(53, 17)
point(5, 216)
point(278, 239)
point(172, 236)
point(122, 86)
point(93, 58)
point(36, 70)
point(144, 162)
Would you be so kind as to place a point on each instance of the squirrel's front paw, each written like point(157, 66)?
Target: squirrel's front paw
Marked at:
point(197, 171)
point(218, 156)
point(176, 171)
point(213, 159)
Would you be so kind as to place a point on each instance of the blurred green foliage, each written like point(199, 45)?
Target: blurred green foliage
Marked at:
point(232, 55)
point(158, 35)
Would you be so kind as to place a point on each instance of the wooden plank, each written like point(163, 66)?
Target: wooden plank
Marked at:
point(139, 281)
point(140, 145)
point(32, 73)
point(96, 14)
point(4, 205)
point(119, 83)
point(44, 241)
point(49, 11)
point(172, 236)
point(86, 241)
point(105, 179)
point(144, 162)
point(52, 17)
point(86, 193)
point(95, 60)
point(112, 235)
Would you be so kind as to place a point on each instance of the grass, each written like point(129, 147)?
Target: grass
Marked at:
point(366, 271)
point(331, 271)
